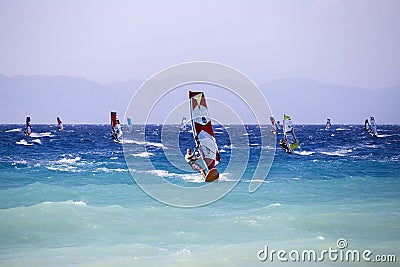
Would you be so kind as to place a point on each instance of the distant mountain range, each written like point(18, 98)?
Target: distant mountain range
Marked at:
point(78, 100)
point(75, 100)
point(309, 101)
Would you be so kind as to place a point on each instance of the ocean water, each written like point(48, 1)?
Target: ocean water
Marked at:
point(68, 199)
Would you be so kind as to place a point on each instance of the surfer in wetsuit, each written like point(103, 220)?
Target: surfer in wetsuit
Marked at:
point(191, 160)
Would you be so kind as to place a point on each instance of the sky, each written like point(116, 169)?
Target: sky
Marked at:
point(345, 42)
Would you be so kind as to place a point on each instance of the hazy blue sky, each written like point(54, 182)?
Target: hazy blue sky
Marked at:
point(350, 42)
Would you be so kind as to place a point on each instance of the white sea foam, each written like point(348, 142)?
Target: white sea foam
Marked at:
point(142, 155)
point(40, 135)
point(13, 130)
point(104, 169)
point(222, 151)
point(339, 153)
point(127, 141)
point(194, 177)
point(320, 237)
point(37, 141)
point(63, 168)
point(304, 153)
point(23, 142)
point(69, 160)
point(340, 129)
point(114, 158)
point(274, 205)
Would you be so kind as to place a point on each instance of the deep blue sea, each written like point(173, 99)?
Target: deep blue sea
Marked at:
point(68, 199)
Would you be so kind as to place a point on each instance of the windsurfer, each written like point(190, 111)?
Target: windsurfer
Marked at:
point(191, 160)
point(284, 145)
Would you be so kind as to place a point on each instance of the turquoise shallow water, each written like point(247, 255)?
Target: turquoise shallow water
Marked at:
point(67, 198)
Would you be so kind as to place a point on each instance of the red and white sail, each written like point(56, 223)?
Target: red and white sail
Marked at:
point(116, 130)
point(59, 123)
point(202, 130)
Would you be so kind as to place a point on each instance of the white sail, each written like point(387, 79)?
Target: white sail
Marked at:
point(373, 126)
point(290, 142)
point(183, 125)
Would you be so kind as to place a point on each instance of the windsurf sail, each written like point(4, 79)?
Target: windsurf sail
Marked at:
point(129, 122)
point(202, 130)
point(116, 130)
point(367, 126)
point(289, 142)
point(328, 124)
point(183, 124)
point(273, 125)
point(374, 130)
point(59, 123)
point(28, 126)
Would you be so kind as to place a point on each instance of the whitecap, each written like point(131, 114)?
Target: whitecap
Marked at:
point(304, 153)
point(127, 141)
point(40, 135)
point(13, 130)
point(23, 142)
point(339, 153)
point(69, 161)
point(274, 205)
point(142, 155)
point(37, 141)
